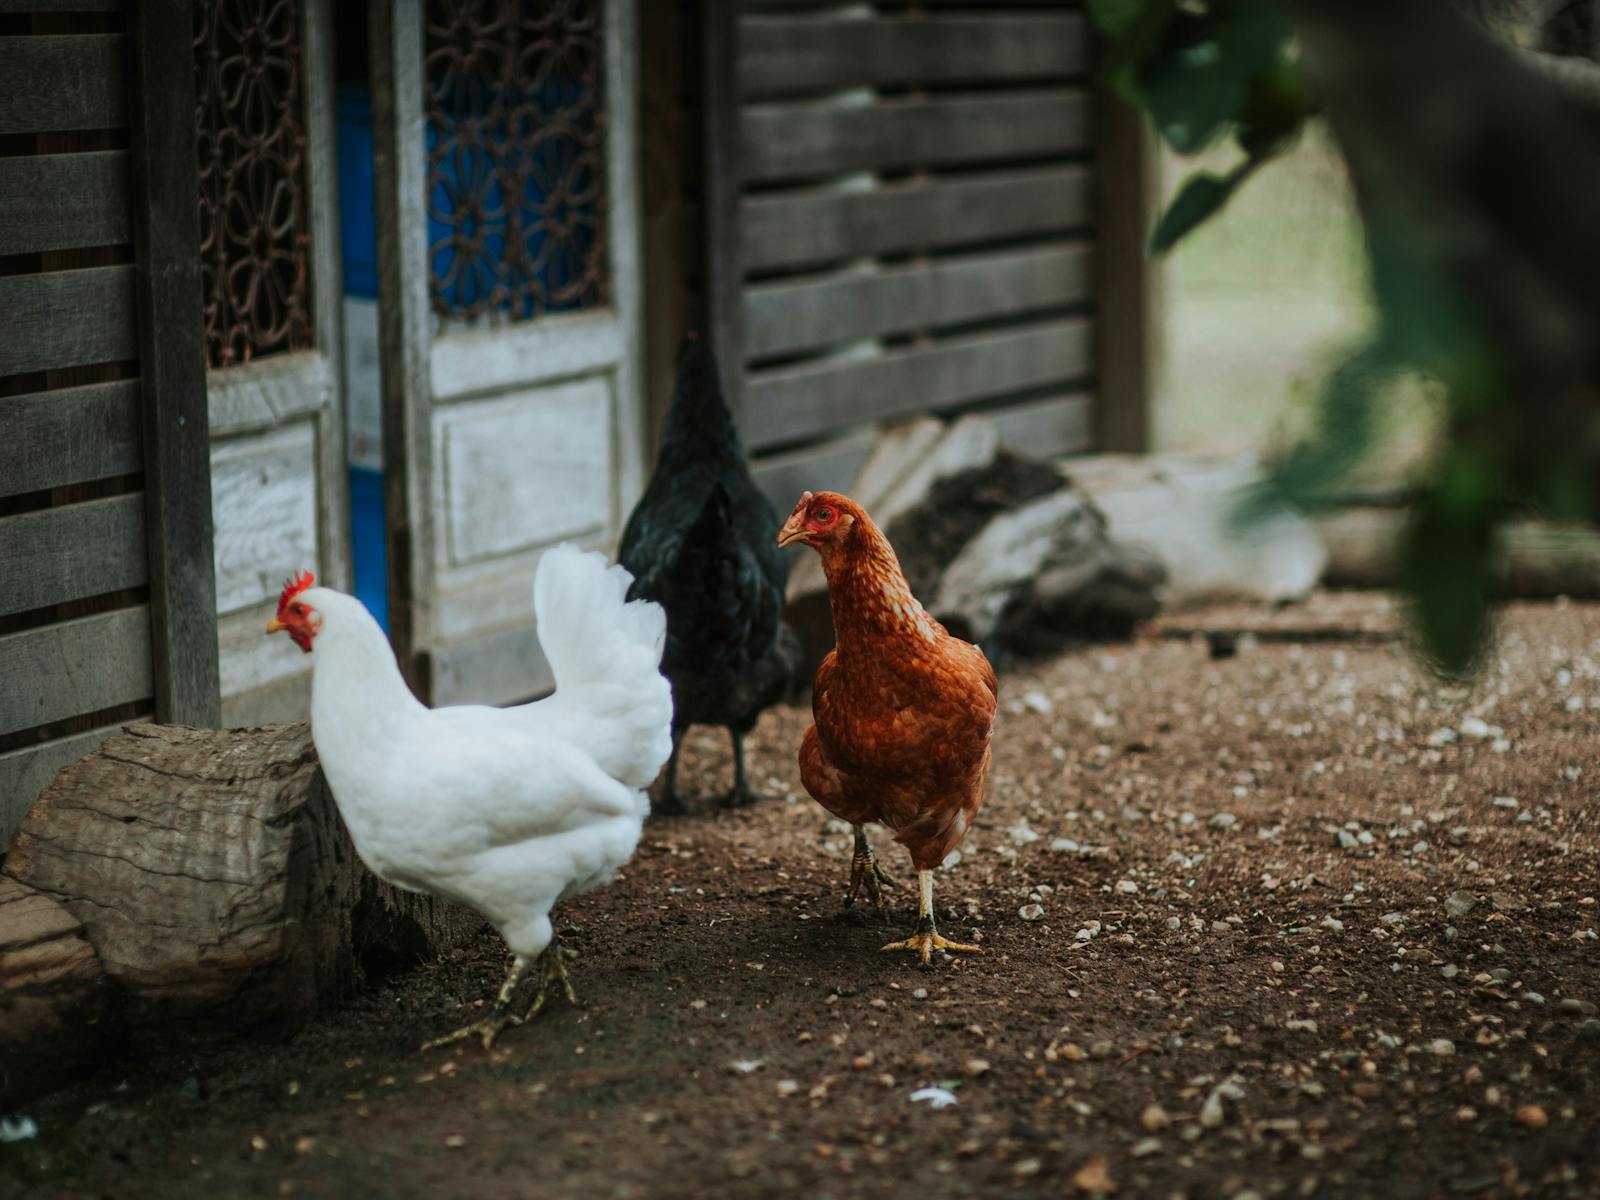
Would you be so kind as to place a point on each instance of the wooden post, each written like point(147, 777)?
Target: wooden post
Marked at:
point(405, 326)
point(1125, 287)
point(172, 373)
point(725, 267)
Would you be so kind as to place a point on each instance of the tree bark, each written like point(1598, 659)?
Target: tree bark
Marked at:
point(214, 879)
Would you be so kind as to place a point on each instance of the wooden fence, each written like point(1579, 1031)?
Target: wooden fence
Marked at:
point(107, 607)
point(901, 218)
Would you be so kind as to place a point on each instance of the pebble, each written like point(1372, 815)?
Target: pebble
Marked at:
point(1420, 848)
point(1459, 904)
point(1443, 1047)
point(976, 1066)
point(1589, 1031)
point(1223, 820)
point(1533, 997)
point(1065, 845)
point(1449, 970)
point(1145, 1147)
point(1333, 923)
point(1346, 840)
point(1365, 837)
point(1571, 1004)
point(1393, 918)
point(1127, 887)
point(1031, 912)
point(1174, 922)
point(1533, 1116)
point(1154, 1118)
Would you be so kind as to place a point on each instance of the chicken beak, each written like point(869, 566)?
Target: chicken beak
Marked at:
point(789, 534)
point(275, 625)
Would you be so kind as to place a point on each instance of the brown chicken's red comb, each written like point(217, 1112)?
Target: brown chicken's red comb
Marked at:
point(292, 587)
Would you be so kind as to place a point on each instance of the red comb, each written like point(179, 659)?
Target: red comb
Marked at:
point(292, 587)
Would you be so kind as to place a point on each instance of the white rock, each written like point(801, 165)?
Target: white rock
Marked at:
point(1038, 701)
point(1031, 912)
point(933, 1097)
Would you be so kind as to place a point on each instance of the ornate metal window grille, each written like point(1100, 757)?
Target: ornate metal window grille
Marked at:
point(254, 236)
point(516, 157)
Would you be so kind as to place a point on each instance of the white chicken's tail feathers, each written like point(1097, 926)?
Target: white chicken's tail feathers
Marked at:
point(605, 653)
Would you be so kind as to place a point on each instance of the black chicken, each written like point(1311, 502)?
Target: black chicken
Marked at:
point(702, 542)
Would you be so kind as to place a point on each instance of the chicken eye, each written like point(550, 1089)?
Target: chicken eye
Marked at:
point(823, 515)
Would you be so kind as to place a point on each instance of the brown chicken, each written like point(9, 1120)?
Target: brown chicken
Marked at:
point(903, 711)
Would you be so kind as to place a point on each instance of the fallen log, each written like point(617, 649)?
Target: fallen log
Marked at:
point(211, 874)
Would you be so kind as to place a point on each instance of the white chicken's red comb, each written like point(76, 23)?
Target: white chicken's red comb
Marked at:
point(292, 587)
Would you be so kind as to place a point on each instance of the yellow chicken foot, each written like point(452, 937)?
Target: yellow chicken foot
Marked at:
point(499, 1017)
point(927, 939)
point(552, 969)
point(866, 875)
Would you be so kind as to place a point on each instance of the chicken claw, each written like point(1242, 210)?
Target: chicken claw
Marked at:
point(866, 875)
point(552, 969)
point(494, 1024)
point(927, 939)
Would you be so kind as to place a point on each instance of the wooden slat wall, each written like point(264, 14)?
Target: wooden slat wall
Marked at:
point(77, 654)
point(909, 229)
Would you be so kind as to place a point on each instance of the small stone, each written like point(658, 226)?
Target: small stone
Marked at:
point(1477, 727)
point(1094, 1176)
point(1022, 833)
point(1420, 848)
point(1145, 1147)
point(1038, 702)
point(1346, 840)
point(919, 994)
point(1065, 845)
point(1333, 923)
point(1505, 802)
point(1223, 820)
point(1589, 1031)
point(976, 1066)
point(455, 1141)
point(1031, 912)
point(1174, 922)
point(1449, 970)
point(1505, 902)
point(1023, 1168)
point(1459, 904)
point(1393, 918)
point(1443, 1047)
point(1154, 1118)
point(1127, 887)
point(786, 1087)
point(1532, 1116)
point(1573, 1006)
point(1533, 997)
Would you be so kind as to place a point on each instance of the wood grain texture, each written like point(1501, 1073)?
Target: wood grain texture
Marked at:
point(63, 201)
point(27, 771)
point(803, 401)
point(500, 667)
point(830, 466)
point(788, 316)
point(796, 229)
point(64, 82)
point(1046, 428)
point(724, 168)
point(796, 141)
point(54, 1001)
point(81, 666)
point(71, 435)
point(405, 326)
point(171, 339)
point(264, 500)
point(57, 554)
point(235, 901)
point(789, 55)
point(68, 319)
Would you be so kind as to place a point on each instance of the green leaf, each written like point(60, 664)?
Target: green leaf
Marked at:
point(1116, 18)
point(1198, 78)
point(1201, 196)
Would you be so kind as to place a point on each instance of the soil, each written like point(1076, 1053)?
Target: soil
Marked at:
point(1304, 922)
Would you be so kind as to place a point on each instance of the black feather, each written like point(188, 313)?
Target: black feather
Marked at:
point(702, 542)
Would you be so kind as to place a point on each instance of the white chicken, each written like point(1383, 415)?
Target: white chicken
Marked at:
point(506, 810)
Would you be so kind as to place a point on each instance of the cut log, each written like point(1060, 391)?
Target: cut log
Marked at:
point(213, 876)
point(54, 1001)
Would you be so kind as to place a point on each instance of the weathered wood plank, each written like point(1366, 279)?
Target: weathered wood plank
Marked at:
point(27, 771)
point(788, 316)
point(503, 667)
point(73, 81)
point(69, 436)
point(67, 318)
point(828, 467)
point(789, 55)
point(80, 666)
point(804, 401)
point(171, 341)
point(1043, 428)
point(725, 265)
point(68, 553)
point(63, 201)
point(264, 510)
point(800, 228)
point(796, 141)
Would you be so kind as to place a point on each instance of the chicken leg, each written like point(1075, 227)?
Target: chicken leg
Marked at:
point(866, 875)
point(669, 802)
point(499, 1017)
point(552, 969)
point(741, 794)
point(926, 939)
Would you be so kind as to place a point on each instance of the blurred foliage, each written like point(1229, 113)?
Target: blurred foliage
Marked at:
point(1204, 70)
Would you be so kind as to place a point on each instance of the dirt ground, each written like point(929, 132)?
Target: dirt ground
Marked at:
point(1291, 921)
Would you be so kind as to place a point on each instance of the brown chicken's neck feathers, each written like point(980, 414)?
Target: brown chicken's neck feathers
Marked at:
point(867, 590)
